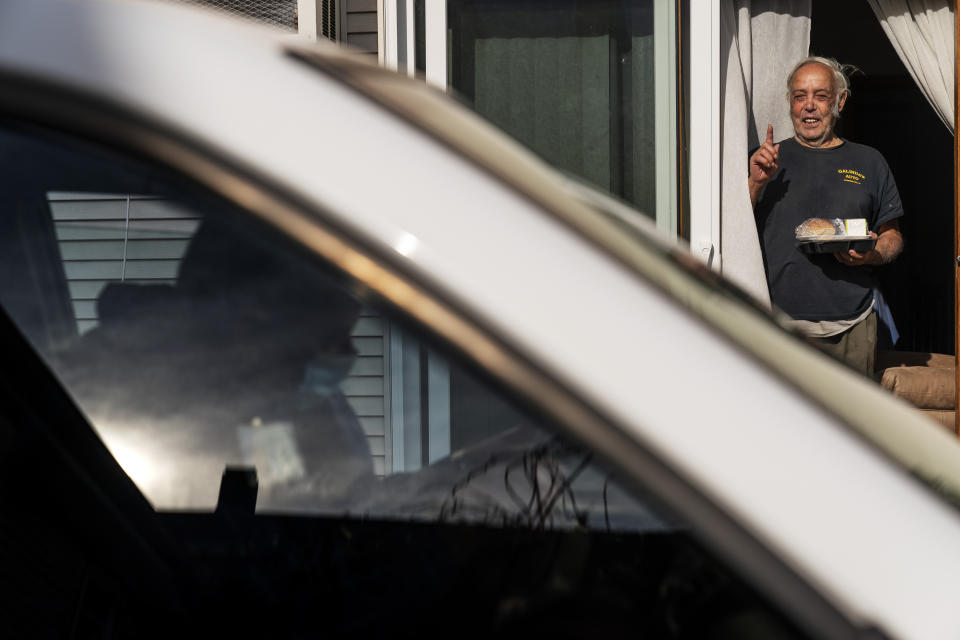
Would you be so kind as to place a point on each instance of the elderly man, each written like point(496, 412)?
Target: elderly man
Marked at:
point(818, 174)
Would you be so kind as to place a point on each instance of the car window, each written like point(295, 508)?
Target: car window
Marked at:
point(223, 365)
point(194, 342)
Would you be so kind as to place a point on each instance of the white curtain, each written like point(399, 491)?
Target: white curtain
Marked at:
point(760, 41)
point(922, 32)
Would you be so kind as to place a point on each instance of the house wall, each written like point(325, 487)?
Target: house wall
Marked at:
point(359, 25)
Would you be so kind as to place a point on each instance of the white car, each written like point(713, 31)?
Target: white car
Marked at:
point(294, 346)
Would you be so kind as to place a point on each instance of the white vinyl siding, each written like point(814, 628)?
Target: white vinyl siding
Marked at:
point(366, 386)
point(117, 238)
point(359, 25)
point(140, 239)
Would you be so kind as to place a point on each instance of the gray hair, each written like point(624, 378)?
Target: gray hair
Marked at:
point(841, 78)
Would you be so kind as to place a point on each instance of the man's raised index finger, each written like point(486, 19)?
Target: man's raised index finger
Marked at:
point(770, 134)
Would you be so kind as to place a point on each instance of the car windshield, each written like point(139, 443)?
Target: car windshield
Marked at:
point(902, 435)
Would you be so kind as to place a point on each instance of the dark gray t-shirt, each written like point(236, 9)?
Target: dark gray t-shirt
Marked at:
point(847, 181)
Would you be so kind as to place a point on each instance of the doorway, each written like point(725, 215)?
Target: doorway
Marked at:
point(888, 112)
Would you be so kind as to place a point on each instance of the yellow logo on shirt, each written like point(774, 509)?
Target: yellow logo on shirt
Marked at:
point(851, 176)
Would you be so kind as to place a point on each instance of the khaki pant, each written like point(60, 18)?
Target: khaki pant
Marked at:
point(857, 346)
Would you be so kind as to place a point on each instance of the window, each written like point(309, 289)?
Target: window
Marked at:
point(194, 341)
point(235, 365)
point(590, 87)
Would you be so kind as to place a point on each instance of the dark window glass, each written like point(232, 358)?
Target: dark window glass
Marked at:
point(574, 81)
point(420, 46)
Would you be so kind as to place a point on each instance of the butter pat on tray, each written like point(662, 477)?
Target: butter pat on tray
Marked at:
point(856, 227)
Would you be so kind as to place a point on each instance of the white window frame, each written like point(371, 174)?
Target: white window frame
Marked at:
point(665, 113)
point(703, 168)
point(405, 416)
point(435, 41)
point(397, 33)
point(665, 69)
point(398, 26)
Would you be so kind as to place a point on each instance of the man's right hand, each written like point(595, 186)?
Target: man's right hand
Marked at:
point(764, 163)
